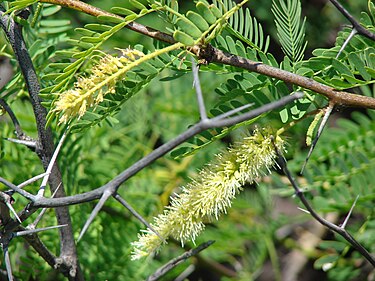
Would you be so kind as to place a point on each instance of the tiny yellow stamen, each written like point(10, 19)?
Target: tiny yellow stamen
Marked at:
point(90, 91)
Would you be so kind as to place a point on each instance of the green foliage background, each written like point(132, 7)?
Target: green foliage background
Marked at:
point(341, 168)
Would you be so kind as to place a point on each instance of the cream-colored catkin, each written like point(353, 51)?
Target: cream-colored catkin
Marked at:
point(211, 194)
point(90, 91)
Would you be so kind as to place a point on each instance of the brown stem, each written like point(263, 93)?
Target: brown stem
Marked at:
point(211, 54)
point(336, 97)
point(94, 11)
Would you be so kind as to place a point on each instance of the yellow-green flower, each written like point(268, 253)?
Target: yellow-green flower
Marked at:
point(205, 199)
point(90, 91)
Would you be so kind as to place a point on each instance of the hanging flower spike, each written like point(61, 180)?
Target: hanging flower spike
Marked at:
point(206, 198)
point(90, 91)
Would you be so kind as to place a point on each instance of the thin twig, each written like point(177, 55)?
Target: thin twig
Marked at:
point(337, 97)
point(360, 29)
point(339, 230)
point(176, 261)
point(94, 11)
point(19, 132)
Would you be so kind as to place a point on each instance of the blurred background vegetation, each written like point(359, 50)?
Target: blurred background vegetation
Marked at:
point(263, 237)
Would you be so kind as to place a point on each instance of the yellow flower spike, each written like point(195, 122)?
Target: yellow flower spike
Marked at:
point(90, 91)
point(206, 198)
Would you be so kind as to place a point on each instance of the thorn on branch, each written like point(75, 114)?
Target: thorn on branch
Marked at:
point(232, 112)
point(318, 134)
point(8, 265)
point(343, 225)
point(51, 164)
point(28, 143)
point(198, 90)
point(44, 210)
point(351, 35)
point(95, 212)
point(30, 181)
point(32, 231)
point(15, 188)
point(137, 215)
point(303, 210)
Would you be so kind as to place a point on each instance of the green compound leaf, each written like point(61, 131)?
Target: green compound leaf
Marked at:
point(290, 29)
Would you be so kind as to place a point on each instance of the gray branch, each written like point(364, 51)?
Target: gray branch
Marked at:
point(201, 126)
point(44, 145)
point(339, 230)
point(357, 26)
